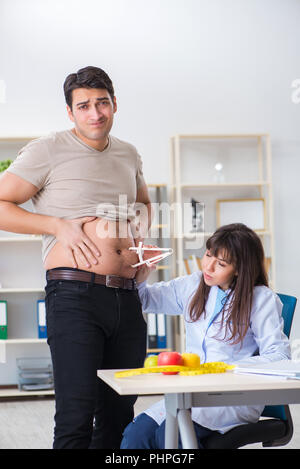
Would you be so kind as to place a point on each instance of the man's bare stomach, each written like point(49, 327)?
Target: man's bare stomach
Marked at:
point(112, 239)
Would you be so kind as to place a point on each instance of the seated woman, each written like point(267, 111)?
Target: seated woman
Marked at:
point(230, 315)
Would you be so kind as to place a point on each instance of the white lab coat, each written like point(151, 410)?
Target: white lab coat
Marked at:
point(264, 337)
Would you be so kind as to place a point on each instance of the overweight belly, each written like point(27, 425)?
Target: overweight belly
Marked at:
point(112, 239)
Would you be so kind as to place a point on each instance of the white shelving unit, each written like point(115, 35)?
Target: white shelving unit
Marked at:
point(22, 279)
point(246, 174)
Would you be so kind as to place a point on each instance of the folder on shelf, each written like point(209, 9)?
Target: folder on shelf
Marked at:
point(151, 330)
point(3, 320)
point(161, 331)
point(41, 317)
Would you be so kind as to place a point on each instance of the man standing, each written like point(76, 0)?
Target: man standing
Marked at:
point(75, 179)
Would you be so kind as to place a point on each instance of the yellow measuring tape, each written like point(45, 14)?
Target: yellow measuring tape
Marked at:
point(212, 367)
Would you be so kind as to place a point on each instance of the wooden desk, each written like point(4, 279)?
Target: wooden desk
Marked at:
point(209, 390)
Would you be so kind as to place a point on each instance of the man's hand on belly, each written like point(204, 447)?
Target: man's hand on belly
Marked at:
point(76, 243)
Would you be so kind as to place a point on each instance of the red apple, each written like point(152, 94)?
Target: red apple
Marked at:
point(169, 358)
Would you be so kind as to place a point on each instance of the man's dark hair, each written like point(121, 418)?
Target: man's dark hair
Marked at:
point(88, 77)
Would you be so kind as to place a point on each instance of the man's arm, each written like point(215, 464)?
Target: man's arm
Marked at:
point(14, 191)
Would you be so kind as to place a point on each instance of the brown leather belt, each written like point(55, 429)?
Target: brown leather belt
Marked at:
point(112, 281)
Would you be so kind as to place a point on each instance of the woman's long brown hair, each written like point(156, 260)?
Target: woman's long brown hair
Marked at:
point(242, 248)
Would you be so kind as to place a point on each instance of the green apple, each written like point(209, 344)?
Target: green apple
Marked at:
point(150, 361)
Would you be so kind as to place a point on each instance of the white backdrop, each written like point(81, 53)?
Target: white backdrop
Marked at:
point(178, 66)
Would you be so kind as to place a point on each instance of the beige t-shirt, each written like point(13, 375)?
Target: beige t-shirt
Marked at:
point(75, 180)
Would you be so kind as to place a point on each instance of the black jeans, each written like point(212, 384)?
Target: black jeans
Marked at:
point(92, 327)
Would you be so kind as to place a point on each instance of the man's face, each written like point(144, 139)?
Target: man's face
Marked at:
point(92, 113)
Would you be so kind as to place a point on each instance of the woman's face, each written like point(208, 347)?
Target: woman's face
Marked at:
point(217, 271)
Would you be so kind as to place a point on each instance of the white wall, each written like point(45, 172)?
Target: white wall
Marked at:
point(178, 66)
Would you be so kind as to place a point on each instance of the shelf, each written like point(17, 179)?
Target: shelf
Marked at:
point(220, 136)
point(22, 290)
point(16, 139)
point(158, 350)
point(14, 392)
point(23, 341)
point(160, 225)
point(207, 234)
point(223, 185)
point(11, 239)
point(155, 186)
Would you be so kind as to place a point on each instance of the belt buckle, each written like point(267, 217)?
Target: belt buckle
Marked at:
point(108, 280)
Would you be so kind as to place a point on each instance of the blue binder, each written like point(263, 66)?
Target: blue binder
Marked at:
point(161, 331)
point(41, 319)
